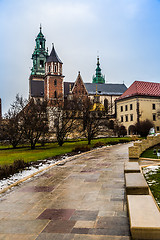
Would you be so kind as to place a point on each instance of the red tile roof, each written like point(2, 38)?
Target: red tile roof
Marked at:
point(143, 89)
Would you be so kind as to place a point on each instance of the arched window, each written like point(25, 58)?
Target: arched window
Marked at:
point(55, 82)
point(40, 44)
point(55, 68)
point(49, 69)
point(106, 105)
point(55, 94)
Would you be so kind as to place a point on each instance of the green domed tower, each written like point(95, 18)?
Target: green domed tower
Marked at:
point(39, 55)
point(98, 78)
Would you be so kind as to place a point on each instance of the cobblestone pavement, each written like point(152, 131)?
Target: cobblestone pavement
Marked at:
point(82, 199)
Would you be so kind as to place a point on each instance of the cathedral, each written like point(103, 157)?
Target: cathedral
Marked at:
point(47, 79)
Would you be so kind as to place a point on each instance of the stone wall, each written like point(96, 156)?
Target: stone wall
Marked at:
point(139, 147)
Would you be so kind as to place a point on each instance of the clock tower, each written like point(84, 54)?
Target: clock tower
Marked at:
point(36, 80)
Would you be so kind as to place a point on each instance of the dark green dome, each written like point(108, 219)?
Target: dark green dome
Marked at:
point(40, 34)
point(98, 78)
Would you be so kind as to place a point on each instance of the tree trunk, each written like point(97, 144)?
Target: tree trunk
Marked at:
point(89, 141)
point(33, 146)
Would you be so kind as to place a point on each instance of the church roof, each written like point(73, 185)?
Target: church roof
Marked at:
point(102, 89)
point(142, 88)
point(106, 88)
point(53, 57)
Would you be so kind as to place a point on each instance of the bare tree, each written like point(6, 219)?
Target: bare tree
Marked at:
point(11, 128)
point(35, 120)
point(63, 115)
point(92, 119)
point(25, 120)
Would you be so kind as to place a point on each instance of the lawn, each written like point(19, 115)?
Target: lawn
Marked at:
point(153, 179)
point(149, 152)
point(8, 155)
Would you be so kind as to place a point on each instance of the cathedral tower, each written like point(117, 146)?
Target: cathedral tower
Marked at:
point(98, 78)
point(36, 81)
point(53, 82)
point(39, 55)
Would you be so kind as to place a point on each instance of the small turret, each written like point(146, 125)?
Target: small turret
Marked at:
point(98, 78)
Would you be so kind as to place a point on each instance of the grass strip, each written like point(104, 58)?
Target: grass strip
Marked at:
point(8, 155)
point(149, 153)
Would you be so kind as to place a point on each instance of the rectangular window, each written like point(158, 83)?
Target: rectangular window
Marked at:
point(121, 108)
point(41, 63)
point(121, 118)
point(131, 107)
point(153, 106)
point(157, 128)
point(126, 118)
point(154, 117)
point(131, 117)
point(126, 108)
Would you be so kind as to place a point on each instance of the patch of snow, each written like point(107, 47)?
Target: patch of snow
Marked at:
point(28, 171)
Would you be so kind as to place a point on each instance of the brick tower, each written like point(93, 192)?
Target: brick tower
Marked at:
point(53, 81)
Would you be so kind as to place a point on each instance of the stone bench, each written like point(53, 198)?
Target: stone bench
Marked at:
point(136, 184)
point(144, 217)
point(132, 167)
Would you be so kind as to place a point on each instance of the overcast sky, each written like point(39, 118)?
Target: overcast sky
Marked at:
point(125, 34)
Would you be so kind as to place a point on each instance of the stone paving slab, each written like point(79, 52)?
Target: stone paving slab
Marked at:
point(82, 199)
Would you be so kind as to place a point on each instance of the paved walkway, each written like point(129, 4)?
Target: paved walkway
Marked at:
point(83, 199)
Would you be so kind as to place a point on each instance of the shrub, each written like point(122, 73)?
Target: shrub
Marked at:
point(81, 149)
point(124, 140)
point(7, 170)
point(143, 127)
point(113, 142)
point(98, 144)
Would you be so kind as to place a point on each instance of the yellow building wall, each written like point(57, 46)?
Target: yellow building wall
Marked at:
point(146, 111)
point(111, 101)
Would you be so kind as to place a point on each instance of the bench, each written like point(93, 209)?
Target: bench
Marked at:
point(132, 167)
point(144, 217)
point(136, 184)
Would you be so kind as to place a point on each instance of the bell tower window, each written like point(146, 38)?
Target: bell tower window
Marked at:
point(40, 44)
point(41, 64)
point(55, 94)
point(55, 68)
point(49, 69)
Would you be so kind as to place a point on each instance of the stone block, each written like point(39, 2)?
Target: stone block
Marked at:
point(144, 217)
point(134, 152)
point(136, 184)
point(139, 145)
point(132, 167)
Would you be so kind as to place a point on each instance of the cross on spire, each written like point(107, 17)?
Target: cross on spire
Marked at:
point(40, 27)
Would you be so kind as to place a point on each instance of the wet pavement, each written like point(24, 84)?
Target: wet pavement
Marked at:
point(82, 199)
